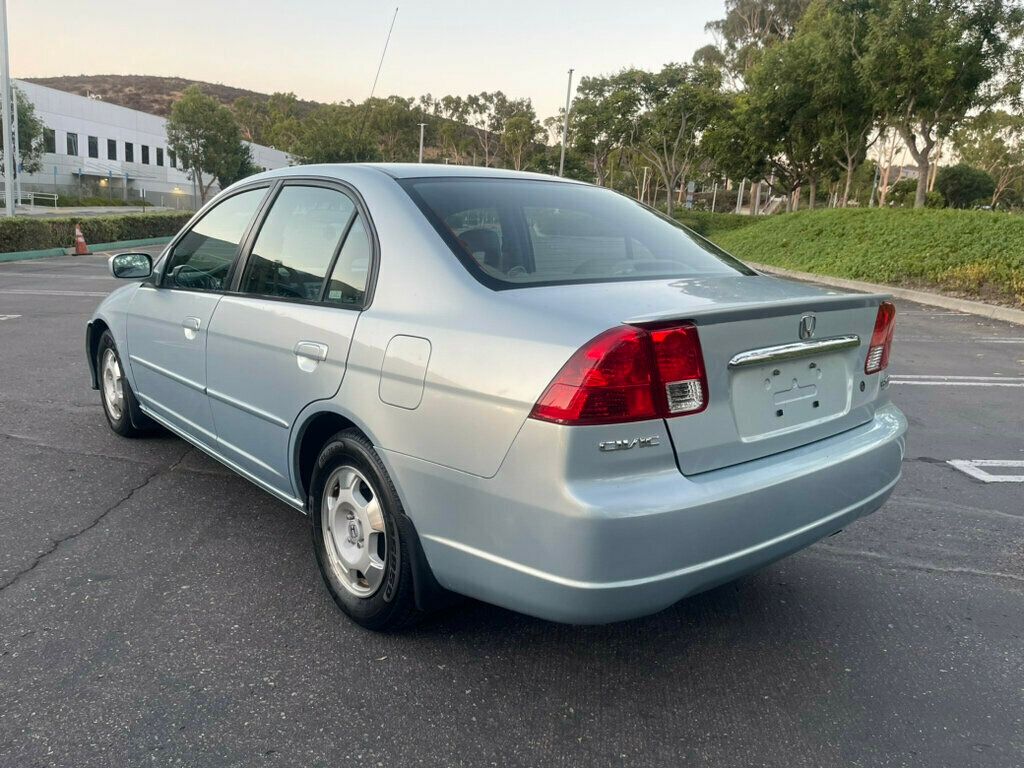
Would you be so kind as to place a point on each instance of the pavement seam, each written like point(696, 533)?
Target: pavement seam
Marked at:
point(913, 564)
point(55, 544)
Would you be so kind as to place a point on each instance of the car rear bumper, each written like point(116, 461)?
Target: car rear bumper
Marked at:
point(596, 549)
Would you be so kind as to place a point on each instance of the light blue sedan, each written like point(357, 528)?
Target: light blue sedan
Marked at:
point(531, 391)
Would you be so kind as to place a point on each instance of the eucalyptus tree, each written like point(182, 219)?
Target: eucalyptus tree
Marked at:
point(673, 108)
point(930, 63)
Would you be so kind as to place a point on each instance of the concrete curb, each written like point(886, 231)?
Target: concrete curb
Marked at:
point(991, 311)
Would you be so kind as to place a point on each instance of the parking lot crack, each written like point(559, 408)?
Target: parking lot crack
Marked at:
point(917, 565)
point(56, 543)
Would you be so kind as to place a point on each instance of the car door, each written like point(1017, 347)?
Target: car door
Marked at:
point(169, 317)
point(280, 340)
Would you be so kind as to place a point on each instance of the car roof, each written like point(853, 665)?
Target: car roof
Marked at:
point(347, 171)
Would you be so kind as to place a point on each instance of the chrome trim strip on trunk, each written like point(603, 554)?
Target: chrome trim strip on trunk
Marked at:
point(794, 350)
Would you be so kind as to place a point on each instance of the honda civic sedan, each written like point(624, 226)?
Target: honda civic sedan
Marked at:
point(531, 391)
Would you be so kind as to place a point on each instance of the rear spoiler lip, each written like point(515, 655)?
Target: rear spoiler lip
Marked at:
point(726, 313)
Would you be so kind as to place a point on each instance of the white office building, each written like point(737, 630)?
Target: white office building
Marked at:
point(93, 148)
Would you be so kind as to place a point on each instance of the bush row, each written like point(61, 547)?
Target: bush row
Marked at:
point(25, 233)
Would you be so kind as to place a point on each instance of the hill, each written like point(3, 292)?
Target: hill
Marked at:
point(974, 253)
point(146, 93)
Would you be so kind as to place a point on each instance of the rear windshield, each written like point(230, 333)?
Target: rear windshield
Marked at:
point(517, 232)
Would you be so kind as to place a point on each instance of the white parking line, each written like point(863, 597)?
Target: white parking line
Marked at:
point(58, 275)
point(41, 292)
point(973, 467)
point(9, 317)
point(959, 381)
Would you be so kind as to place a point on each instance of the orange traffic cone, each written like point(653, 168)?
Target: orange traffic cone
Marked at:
point(81, 248)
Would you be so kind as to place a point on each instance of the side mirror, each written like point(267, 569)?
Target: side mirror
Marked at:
point(131, 266)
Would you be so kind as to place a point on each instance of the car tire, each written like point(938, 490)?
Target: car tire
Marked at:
point(361, 536)
point(118, 399)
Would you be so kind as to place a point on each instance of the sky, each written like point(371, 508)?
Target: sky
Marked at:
point(328, 51)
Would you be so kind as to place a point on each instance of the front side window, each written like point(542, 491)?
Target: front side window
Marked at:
point(517, 232)
point(159, 156)
point(297, 243)
point(145, 155)
point(129, 152)
point(73, 144)
point(49, 140)
point(94, 147)
point(202, 258)
point(111, 149)
point(172, 158)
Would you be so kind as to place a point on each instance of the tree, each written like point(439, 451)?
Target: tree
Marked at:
point(600, 119)
point(452, 116)
point(520, 135)
point(30, 135)
point(962, 186)
point(930, 62)
point(205, 137)
point(253, 118)
point(236, 166)
point(391, 124)
point(994, 142)
point(750, 27)
point(832, 35)
point(673, 109)
point(334, 133)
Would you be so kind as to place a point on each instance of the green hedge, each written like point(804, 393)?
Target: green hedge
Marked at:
point(29, 233)
point(973, 253)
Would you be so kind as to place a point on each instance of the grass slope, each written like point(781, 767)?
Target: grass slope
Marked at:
point(974, 253)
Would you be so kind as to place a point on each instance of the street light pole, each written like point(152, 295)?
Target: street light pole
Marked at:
point(5, 96)
point(565, 125)
point(422, 126)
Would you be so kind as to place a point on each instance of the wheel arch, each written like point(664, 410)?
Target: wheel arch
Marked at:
point(316, 426)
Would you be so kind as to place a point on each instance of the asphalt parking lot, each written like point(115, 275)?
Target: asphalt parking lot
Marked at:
point(157, 609)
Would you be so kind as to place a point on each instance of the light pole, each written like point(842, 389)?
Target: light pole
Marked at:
point(565, 125)
point(5, 95)
point(17, 149)
point(422, 126)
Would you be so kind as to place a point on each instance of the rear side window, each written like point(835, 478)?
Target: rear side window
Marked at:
point(517, 232)
point(297, 243)
point(347, 285)
point(202, 258)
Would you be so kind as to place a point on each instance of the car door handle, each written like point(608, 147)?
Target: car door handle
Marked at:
point(311, 350)
point(191, 326)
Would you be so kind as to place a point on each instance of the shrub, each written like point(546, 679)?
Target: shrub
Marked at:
point(23, 233)
point(962, 186)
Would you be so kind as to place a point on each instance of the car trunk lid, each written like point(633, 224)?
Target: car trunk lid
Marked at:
point(780, 374)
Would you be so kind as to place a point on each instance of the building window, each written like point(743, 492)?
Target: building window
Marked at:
point(145, 154)
point(49, 140)
point(111, 149)
point(73, 144)
point(172, 158)
point(129, 152)
point(159, 155)
point(94, 147)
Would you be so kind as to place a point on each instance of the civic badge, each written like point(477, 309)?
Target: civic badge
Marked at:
point(807, 324)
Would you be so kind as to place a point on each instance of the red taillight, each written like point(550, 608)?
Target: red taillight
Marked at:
point(628, 374)
point(881, 338)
